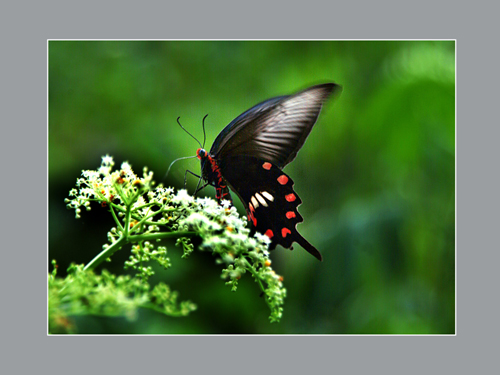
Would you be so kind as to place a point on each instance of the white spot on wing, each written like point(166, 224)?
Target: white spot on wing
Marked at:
point(254, 202)
point(260, 199)
point(268, 196)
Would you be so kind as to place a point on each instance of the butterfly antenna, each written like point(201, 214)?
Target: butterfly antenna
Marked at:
point(183, 128)
point(204, 133)
point(170, 166)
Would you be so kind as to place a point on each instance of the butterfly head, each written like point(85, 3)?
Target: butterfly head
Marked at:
point(201, 153)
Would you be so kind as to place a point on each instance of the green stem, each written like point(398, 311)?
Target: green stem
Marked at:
point(119, 190)
point(162, 310)
point(115, 217)
point(127, 221)
point(251, 269)
point(137, 217)
point(106, 253)
point(160, 236)
point(143, 221)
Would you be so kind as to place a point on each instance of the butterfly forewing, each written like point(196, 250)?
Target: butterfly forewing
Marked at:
point(276, 129)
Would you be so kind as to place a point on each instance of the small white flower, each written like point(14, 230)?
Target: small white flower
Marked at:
point(104, 170)
point(126, 167)
point(262, 238)
point(107, 161)
point(226, 203)
point(183, 198)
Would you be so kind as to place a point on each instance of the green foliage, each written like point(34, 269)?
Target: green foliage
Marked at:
point(143, 216)
point(83, 292)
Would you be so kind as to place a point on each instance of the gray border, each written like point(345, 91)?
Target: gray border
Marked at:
point(24, 79)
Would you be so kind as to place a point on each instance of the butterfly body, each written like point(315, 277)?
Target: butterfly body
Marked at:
point(211, 172)
point(249, 154)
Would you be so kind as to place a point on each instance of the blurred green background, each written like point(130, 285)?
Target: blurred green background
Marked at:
point(376, 175)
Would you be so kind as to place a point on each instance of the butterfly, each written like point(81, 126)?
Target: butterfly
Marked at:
point(248, 157)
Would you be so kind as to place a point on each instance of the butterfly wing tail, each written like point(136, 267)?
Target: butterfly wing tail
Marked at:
point(308, 247)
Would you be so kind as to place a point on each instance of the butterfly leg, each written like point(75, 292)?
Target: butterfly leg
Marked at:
point(185, 177)
point(201, 188)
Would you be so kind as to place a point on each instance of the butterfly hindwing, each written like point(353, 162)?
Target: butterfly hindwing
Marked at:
point(268, 195)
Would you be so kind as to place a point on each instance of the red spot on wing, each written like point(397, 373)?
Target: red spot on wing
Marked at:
point(284, 232)
point(283, 179)
point(290, 197)
point(252, 218)
point(290, 215)
point(267, 165)
point(269, 233)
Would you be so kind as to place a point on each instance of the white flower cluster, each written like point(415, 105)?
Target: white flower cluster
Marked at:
point(224, 231)
point(144, 214)
point(106, 185)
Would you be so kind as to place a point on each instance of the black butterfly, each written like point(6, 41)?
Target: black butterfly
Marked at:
point(249, 154)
